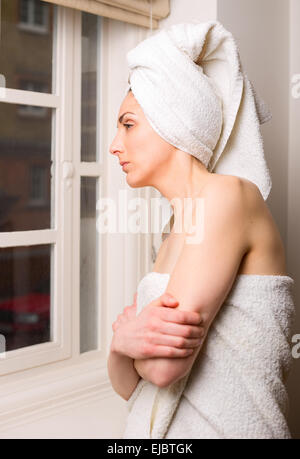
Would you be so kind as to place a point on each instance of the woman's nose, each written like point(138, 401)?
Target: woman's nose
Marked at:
point(115, 147)
point(111, 150)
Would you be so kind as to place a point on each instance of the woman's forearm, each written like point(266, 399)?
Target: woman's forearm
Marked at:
point(142, 367)
point(122, 374)
point(150, 370)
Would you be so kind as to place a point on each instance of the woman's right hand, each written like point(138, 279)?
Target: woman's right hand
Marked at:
point(159, 330)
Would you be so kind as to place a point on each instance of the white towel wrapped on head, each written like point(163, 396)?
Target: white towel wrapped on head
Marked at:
point(189, 81)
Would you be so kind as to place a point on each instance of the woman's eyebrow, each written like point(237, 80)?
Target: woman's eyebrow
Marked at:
point(121, 117)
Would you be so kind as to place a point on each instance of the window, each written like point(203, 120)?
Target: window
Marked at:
point(31, 110)
point(50, 255)
point(38, 185)
point(25, 296)
point(58, 278)
point(34, 16)
point(28, 188)
point(90, 184)
point(58, 294)
point(91, 30)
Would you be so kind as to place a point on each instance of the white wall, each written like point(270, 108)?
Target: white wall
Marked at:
point(263, 40)
point(268, 35)
point(293, 209)
point(189, 10)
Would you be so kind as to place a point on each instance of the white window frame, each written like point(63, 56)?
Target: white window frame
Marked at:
point(66, 133)
point(31, 110)
point(60, 347)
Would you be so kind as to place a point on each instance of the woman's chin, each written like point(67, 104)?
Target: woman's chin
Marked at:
point(133, 183)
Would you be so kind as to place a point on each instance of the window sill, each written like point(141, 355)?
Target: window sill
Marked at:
point(43, 30)
point(36, 396)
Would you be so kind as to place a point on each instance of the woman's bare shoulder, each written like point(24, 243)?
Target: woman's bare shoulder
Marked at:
point(232, 180)
point(225, 185)
point(266, 252)
point(243, 196)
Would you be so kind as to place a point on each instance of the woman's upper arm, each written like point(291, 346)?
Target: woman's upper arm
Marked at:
point(205, 270)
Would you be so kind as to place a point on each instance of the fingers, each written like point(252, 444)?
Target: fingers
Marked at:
point(121, 318)
point(151, 350)
point(128, 313)
point(184, 317)
point(115, 325)
point(165, 300)
point(186, 331)
point(179, 316)
point(173, 341)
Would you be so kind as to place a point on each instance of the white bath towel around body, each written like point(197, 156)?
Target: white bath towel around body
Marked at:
point(237, 385)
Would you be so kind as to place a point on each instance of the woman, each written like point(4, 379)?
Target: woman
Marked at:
point(191, 367)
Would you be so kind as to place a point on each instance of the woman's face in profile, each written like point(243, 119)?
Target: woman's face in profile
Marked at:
point(148, 155)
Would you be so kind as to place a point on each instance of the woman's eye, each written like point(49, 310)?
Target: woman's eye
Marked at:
point(127, 125)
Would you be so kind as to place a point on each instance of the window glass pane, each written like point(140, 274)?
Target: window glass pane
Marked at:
point(26, 184)
point(90, 43)
point(24, 10)
point(89, 278)
point(39, 13)
point(25, 295)
point(26, 44)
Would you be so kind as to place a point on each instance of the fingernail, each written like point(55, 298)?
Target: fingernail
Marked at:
point(172, 300)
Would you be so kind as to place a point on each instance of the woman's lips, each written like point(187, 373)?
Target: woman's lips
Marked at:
point(124, 165)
